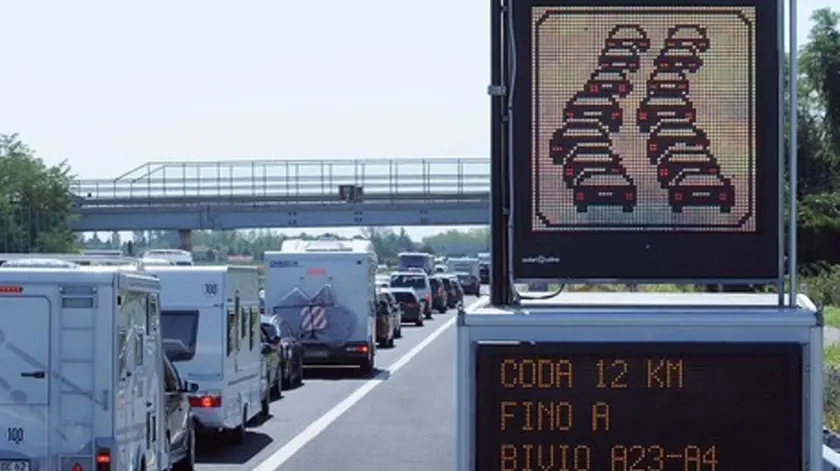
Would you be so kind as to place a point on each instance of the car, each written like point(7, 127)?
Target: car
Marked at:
point(667, 83)
point(396, 307)
point(701, 189)
point(484, 271)
point(674, 135)
point(455, 293)
point(587, 106)
point(387, 320)
point(632, 36)
point(678, 59)
point(654, 110)
point(619, 59)
point(281, 336)
point(439, 294)
point(411, 305)
point(590, 158)
point(604, 189)
point(677, 162)
point(607, 83)
point(273, 361)
point(574, 133)
point(694, 36)
point(180, 426)
point(419, 282)
point(469, 282)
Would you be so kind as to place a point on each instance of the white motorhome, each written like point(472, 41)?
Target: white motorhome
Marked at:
point(211, 332)
point(464, 265)
point(176, 256)
point(82, 370)
point(326, 291)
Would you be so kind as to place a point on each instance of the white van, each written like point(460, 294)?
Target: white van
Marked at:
point(464, 265)
point(82, 369)
point(210, 321)
point(325, 290)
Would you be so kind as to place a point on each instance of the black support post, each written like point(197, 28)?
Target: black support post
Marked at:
point(500, 289)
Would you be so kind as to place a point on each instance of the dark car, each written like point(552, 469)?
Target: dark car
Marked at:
point(667, 83)
point(699, 189)
point(180, 428)
point(470, 284)
point(693, 36)
point(604, 189)
point(387, 320)
point(653, 110)
point(674, 135)
point(597, 159)
point(619, 58)
point(273, 362)
point(589, 133)
point(280, 336)
point(608, 84)
point(678, 59)
point(455, 294)
point(438, 294)
point(410, 304)
point(677, 162)
point(596, 107)
point(484, 272)
point(632, 36)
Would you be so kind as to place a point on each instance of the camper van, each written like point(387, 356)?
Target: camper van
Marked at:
point(176, 256)
point(326, 292)
point(210, 323)
point(83, 370)
point(407, 261)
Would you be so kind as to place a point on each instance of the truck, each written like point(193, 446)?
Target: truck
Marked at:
point(326, 291)
point(210, 328)
point(407, 261)
point(82, 370)
point(463, 265)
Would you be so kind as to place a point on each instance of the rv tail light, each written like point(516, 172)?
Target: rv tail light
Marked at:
point(77, 467)
point(11, 289)
point(357, 348)
point(103, 460)
point(205, 401)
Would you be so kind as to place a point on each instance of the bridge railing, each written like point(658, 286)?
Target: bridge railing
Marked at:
point(299, 178)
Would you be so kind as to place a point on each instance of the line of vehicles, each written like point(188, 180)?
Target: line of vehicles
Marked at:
point(685, 166)
point(118, 363)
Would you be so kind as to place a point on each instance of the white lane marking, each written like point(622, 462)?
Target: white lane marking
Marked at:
point(315, 428)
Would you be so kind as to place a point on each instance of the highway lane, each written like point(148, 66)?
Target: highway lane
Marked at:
point(324, 388)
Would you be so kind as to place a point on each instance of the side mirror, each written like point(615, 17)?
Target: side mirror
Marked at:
point(189, 387)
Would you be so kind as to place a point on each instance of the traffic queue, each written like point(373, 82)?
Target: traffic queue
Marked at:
point(129, 363)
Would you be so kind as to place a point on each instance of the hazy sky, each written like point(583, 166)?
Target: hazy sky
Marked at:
point(110, 85)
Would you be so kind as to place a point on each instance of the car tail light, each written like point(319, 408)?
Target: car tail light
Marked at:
point(570, 172)
point(682, 86)
point(556, 149)
point(579, 196)
point(663, 172)
point(207, 400)
point(642, 116)
point(616, 115)
point(628, 196)
point(689, 115)
point(593, 88)
point(622, 88)
point(103, 460)
point(570, 115)
point(678, 196)
point(357, 348)
point(652, 147)
point(723, 197)
point(11, 289)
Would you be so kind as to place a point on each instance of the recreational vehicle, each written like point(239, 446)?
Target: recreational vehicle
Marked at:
point(83, 369)
point(176, 256)
point(416, 261)
point(211, 331)
point(325, 290)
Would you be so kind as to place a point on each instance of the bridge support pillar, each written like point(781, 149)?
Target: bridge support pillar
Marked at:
point(186, 239)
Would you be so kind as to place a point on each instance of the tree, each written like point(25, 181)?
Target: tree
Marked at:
point(35, 201)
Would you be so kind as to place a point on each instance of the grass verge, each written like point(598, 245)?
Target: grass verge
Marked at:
point(831, 387)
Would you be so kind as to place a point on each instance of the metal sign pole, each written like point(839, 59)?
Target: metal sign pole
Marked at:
point(792, 141)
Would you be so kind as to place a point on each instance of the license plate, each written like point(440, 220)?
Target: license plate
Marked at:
point(308, 354)
point(14, 465)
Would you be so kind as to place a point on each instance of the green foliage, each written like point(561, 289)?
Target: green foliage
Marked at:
point(35, 201)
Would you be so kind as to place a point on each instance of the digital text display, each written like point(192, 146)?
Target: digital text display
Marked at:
point(638, 407)
point(657, 122)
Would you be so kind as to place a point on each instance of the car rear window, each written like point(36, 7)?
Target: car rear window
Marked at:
point(405, 297)
point(409, 281)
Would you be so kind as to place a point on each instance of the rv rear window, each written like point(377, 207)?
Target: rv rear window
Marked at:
point(179, 332)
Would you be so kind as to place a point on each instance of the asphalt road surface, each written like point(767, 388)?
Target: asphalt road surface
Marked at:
point(402, 417)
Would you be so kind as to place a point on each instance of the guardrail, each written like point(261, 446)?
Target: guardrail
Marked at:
point(261, 180)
